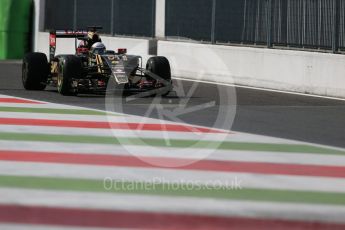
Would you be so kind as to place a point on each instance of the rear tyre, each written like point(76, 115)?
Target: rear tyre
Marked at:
point(35, 71)
point(70, 67)
point(160, 66)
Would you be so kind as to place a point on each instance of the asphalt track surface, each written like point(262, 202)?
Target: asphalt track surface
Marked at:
point(295, 117)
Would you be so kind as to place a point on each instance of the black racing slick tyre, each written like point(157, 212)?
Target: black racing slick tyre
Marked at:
point(70, 67)
point(35, 71)
point(160, 67)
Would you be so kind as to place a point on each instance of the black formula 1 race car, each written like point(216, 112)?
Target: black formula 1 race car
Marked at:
point(92, 67)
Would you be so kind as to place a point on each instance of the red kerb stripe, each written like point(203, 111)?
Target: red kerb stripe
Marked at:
point(74, 217)
point(18, 100)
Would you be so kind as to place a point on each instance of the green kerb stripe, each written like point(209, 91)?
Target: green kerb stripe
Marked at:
point(54, 111)
point(85, 185)
point(84, 139)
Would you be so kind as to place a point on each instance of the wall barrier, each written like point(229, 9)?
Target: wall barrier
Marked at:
point(296, 71)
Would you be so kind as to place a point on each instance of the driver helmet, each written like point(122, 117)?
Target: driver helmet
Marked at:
point(98, 48)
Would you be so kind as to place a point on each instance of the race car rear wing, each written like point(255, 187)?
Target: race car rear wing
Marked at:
point(71, 33)
point(53, 35)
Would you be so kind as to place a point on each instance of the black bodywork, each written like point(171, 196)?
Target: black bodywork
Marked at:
point(85, 71)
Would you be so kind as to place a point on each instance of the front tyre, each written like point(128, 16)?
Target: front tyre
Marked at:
point(160, 67)
point(35, 71)
point(70, 67)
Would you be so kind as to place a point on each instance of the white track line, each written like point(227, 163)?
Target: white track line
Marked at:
point(113, 133)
